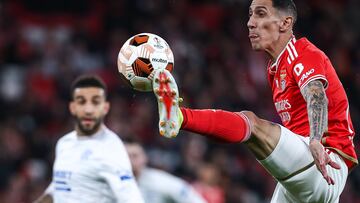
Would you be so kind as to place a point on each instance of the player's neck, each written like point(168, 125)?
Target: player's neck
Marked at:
point(278, 46)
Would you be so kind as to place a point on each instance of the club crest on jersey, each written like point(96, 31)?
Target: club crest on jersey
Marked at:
point(86, 154)
point(282, 80)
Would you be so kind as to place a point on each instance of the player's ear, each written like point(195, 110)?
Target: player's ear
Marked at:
point(72, 108)
point(286, 23)
point(106, 107)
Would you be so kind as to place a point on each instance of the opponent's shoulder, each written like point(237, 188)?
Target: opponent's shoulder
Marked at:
point(110, 138)
point(67, 138)
point(65, 141)
point(112, 148)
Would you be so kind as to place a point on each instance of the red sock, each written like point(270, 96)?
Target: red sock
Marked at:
point(221, 125)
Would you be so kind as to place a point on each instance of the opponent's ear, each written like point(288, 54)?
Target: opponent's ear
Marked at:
point(72, 108)
point(286, 23)
point(106, 107)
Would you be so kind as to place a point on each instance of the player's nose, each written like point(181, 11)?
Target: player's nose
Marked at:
point(88, 109)
point(251, 23)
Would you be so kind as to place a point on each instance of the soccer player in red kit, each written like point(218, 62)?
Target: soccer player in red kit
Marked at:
point(311, 153)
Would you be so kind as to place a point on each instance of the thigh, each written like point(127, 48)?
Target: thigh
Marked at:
point(303, 195)
point(291, 163)
point(310, 186)
point(281, 195)
point(290, 156)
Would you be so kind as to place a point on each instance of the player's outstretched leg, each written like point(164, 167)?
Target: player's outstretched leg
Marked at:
point(167, 94)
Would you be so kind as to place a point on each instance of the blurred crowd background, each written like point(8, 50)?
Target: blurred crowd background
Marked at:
point(44, 45)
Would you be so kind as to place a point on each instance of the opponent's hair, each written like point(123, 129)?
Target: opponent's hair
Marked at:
point(287, 6)
point(87, 81)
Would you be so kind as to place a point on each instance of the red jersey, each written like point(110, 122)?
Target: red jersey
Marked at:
point(299, 63)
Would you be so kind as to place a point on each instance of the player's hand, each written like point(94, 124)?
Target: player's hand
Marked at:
point(321, 158)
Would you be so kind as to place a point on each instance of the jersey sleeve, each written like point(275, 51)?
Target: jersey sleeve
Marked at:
point(310, 66)
point(116, 171)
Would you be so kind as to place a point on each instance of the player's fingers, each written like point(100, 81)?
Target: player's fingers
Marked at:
point(331, 162)
point(318, 165)
point(334, 164)
point(329, 180)
point(332, 182)
point(324, 173)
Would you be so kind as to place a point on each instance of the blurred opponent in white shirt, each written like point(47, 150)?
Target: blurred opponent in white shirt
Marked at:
point(158, 186)
point(91, 164)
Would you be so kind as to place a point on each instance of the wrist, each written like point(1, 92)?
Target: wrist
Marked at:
point(314, 141)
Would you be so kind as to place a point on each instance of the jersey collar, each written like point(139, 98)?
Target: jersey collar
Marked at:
point(98, 134)
point(274, 66)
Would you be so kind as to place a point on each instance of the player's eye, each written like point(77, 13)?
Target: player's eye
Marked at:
point(80, 101)
point(96, 102)
point(261, 13)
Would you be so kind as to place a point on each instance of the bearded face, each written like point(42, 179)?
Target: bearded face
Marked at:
point(89, 108)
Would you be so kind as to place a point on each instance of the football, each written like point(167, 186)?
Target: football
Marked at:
point(140, 56)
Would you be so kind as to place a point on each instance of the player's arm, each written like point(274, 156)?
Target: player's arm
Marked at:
point(115, 169)
point(47, 196)
point(317, 109)
point(122, 184)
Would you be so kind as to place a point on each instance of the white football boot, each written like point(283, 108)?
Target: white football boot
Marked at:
point(167, 95)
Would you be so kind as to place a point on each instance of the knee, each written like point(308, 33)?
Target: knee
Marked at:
point(264, 135)
point(261, 128)
point(253, 119)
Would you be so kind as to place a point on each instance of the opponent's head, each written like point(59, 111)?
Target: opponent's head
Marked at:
point(270, 21)
point(88, 105)
point(136, 154)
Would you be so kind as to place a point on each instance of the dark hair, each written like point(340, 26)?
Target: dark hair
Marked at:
point(87, 81)
point(287, 6)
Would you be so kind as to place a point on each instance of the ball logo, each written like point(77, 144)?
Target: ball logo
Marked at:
point(159, 60)
point(158, 43)
point(139, 56)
